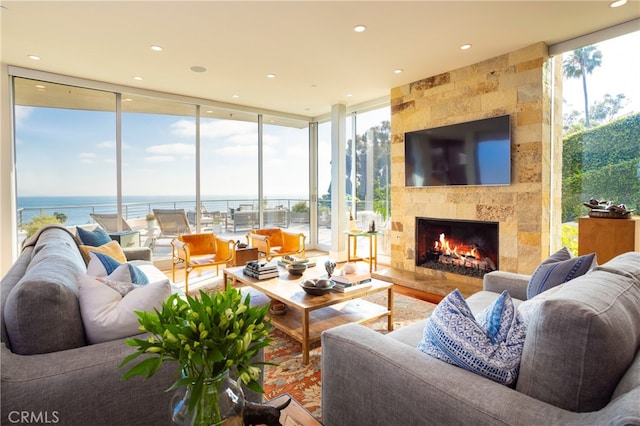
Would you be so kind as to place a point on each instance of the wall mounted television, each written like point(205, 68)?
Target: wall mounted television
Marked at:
point(471, 153)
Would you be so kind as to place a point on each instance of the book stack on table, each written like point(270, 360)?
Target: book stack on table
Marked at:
point(261, 270)
point(351, 282)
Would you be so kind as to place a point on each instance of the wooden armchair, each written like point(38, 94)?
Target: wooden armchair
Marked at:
point(199, 250)
point(277, 242)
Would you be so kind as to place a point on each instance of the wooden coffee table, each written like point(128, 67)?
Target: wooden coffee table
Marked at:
point(308, 316)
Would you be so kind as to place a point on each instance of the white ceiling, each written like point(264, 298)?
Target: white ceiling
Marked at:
point(310, 45)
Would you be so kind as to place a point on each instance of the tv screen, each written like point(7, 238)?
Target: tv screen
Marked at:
point(472, 153)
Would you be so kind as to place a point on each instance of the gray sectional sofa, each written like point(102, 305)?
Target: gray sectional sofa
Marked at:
point(49, 372)
point(580, 364)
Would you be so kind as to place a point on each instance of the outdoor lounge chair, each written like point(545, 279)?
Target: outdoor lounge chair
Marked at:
point(109, 222)
point(172, 222)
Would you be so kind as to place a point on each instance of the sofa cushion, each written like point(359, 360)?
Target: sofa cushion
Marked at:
point(95, 238)
point(559, 268)
point(102, 265)
point(490, 346)
point(41, 313)
point(108, 316)
point(583, 338)
point(112, 249)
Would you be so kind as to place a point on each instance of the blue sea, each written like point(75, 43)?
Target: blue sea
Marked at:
point(78, 208)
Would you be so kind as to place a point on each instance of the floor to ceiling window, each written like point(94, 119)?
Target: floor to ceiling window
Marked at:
point(372, 168)
point(286, 175)
point(601, 128)
point(65, 152)
point(158, 155)
point(71, 162)
point(324, 185)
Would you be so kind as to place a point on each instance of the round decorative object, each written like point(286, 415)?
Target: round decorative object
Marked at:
point(221, 403)
point(317, 286)
point(349, 268)
point(296, 268)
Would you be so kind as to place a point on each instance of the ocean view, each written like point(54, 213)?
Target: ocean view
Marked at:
point(78, 208)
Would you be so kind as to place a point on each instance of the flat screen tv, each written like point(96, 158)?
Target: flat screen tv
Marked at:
point(472, 153)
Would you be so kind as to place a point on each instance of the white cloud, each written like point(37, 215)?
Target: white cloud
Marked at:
point(22, 113)
point(172, 149)
point(159, 159)
point(87, 157)
point(106, 144)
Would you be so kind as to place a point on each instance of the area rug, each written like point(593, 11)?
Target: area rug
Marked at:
point(303, 382)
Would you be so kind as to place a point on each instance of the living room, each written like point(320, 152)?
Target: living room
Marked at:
point(516, 82)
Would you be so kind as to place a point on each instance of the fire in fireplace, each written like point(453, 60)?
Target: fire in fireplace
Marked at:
point(462, 247)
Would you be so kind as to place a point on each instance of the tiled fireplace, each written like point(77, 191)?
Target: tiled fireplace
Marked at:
point(457, 246)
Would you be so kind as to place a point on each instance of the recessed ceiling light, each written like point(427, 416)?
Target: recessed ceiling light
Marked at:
point(271, 76)
point(398, 71)
point(156, 48)
point(40, 87)
point(349, 95)
point(198, 68)
point(138, 78)
point(359, 28)
point(34, 57)
point(235, 96)
point(209, 111)
point(127, 100)
point(618, 3)
point(465, 47)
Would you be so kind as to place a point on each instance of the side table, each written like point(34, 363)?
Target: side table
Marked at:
point(244, 255)
point(295, 414)
point(352, 247)
point(126, 238)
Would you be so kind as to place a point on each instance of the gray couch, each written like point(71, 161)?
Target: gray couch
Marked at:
point(580, 363)
point(49, 371)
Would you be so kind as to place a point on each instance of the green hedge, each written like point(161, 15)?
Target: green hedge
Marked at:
point(601, 163)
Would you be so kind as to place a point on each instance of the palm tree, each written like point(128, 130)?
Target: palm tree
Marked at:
point(582, 62)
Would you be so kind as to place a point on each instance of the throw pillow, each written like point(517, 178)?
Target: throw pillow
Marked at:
point(122, 287)
point(102, 265)
point(491, 346)
point(106, 315)
point(112, 248)
point(559, 268)
point(94, 238)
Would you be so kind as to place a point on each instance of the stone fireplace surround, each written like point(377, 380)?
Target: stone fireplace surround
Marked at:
point(519, 84)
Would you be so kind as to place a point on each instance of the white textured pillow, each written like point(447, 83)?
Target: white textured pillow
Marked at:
point(108, 316)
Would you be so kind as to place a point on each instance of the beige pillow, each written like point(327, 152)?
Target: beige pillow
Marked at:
point(112, 249)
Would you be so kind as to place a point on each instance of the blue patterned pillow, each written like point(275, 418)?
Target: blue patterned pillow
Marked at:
point(102, 265)
point(490, 346)
point(94, 238)
point(559, 268)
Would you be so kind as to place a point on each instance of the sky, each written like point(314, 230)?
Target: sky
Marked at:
point(618, 74)
point(70, 152)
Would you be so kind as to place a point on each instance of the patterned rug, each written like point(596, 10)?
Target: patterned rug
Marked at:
point(303, 382)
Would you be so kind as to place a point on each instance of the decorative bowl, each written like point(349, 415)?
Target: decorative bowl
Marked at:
point(317, 286)
point(296, 268)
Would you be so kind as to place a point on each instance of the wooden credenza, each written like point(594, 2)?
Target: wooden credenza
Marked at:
point(608, 237)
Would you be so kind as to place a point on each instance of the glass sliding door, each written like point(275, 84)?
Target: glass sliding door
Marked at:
point(324, 186)
point(372, 168)
point(286, 175)
point(65, 153)
point(229, 170)
point(158, 162)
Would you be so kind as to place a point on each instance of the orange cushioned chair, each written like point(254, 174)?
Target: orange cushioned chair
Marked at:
point(198, 250)
point(277, 242)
